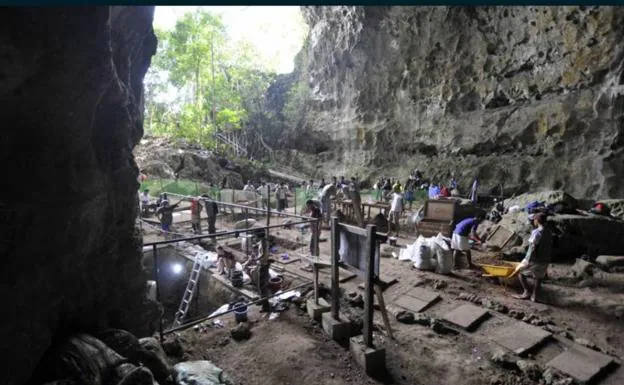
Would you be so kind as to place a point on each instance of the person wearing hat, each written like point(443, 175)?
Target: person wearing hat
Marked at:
point(165, 211)
point(537, 258)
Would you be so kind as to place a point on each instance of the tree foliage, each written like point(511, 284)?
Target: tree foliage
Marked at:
point(201, 81)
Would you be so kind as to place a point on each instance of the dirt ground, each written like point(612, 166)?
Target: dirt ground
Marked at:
point(293, 349)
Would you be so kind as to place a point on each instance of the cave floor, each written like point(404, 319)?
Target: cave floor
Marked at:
point(293, 349)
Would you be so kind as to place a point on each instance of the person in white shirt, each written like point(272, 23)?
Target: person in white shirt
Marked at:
point(280, 194)
point(249, 186)
point(396, 208)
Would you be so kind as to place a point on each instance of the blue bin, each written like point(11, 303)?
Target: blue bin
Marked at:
point(240, 312)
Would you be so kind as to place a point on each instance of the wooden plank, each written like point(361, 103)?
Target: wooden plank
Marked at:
point(335, 290)
point(369, 288)
point(354, 229)
point(383, 310)
point(466, 316)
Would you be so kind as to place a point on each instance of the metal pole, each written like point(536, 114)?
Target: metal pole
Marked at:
point(369, 286)
point(156, 278)
point(335, 290)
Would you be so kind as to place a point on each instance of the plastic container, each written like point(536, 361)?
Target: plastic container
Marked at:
point(275, 284)
point(237, 278)
point(240, 312)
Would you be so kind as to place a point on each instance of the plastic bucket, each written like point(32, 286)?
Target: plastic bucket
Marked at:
point(240, 312)
point(236, 278)
point(275, 284)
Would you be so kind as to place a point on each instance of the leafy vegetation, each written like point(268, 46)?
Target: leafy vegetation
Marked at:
point(202, 82)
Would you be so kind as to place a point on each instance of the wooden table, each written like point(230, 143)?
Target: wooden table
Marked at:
point(378, 205)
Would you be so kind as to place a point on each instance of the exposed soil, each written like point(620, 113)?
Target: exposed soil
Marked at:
point(293, 349)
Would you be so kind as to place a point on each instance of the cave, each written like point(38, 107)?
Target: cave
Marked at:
point(72, 92)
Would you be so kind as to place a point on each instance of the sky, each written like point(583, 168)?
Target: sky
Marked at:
point(276, 32)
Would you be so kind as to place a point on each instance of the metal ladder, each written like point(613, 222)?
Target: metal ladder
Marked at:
point(190, 291)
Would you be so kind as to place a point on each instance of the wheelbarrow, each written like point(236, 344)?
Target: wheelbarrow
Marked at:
point(500, 272)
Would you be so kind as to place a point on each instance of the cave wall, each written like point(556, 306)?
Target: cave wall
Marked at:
point(524, 95)
point(71, 91)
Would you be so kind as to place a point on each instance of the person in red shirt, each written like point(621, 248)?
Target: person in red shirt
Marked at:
point(444, 192)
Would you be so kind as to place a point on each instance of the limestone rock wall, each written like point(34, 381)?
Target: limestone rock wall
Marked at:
point(71, 105)
point(526, 95)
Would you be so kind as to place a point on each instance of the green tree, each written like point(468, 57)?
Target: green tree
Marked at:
point(201, 81)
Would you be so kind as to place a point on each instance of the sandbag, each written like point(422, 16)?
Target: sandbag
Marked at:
point(199, 373)
point(422, 254)
point(444, 255)
point(407, 254)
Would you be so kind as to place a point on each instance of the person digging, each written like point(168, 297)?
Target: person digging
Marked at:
point(460, 241)
point(535, 263)
point(225, 261)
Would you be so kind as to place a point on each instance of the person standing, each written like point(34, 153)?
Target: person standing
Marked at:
point(211, 213)
point(396, 208)
point(165, 211)
point(460, 241)
point(537, 258)
point(410, 187)
point(196, 208)
point(473, 191)
point(325, 198)
point(280, 195)
point(315, 228)
point(145, 201)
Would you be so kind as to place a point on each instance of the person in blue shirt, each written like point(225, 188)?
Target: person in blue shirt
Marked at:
point(460, 242)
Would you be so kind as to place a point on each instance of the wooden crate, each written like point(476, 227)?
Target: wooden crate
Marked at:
point(431, 227)
point(440, 209)
point(438, 218)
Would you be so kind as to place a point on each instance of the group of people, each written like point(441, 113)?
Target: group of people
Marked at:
point(535, 262)
point(281, 191)
point(164, 211)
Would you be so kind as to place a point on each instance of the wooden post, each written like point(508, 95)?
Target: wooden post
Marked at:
point(233, 201)
point(263, 274)
point(268, 202)
point(335, 290)
point(317, 238)
point(316, 283)
point(369, 286)
point(382, 308)
point(247, 233)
